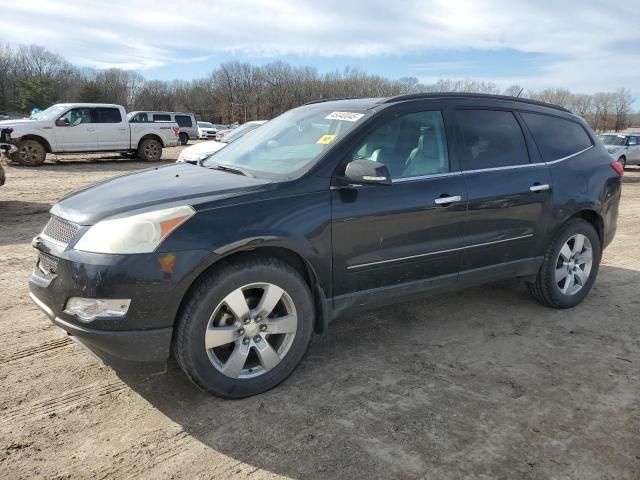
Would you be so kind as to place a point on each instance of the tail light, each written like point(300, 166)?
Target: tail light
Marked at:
point(176, 130)
point(619, 169)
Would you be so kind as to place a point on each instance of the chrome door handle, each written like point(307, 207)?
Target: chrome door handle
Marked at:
point(90, 129)
point(539, 188)
point(441, 200)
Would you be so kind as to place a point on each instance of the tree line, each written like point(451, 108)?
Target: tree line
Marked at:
point(33, 77)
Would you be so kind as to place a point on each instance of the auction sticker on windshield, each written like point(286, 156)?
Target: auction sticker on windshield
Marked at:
point(326, 139)
point(345, 116)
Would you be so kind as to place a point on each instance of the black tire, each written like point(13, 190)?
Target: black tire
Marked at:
point(622, 161)
point(184, 138)
point(545, 289)
point(31, 153)
point(150, 150)
point(188, 342)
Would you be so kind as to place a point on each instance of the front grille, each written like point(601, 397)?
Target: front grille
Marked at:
point(46, 265)
point(60, 230)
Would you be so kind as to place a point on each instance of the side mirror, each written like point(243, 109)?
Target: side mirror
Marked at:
point(367, 172)
point(63, 122)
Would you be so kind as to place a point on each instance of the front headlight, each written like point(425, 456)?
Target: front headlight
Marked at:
point(141, 233)
point(612, 150)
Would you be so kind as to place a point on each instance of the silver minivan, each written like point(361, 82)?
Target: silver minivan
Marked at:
point(186, 122)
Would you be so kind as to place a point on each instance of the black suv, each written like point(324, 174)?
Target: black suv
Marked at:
point(338, 205)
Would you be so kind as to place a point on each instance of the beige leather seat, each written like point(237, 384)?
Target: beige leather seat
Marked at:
point(425, 158)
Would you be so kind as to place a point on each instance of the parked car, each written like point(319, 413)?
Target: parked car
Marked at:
point(331, 207)
point(208, 130)
point(199, 152)
point(623, 148)
point(84, 128)
point(186, 122)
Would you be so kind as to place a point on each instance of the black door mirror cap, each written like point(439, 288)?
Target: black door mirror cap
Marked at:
point(367, 172)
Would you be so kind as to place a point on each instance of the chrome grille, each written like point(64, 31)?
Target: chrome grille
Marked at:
point(60, 230)
point(47, 265)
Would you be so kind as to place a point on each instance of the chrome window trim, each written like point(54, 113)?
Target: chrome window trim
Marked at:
point(477, 170)
point(421, 255)
point(570, 156)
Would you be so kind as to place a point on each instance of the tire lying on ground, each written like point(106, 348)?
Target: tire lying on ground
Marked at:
point(150, 150)
point(31, 153)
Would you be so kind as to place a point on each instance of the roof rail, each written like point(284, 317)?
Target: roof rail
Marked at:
point(417, 96)
point(322, 100)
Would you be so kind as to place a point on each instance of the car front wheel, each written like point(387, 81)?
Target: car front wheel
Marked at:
point(570, 266)
point(150, 150)
point(245, 327)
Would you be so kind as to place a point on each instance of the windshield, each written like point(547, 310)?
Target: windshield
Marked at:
point(613, 139)
point(240, 131)
point(205, 125)
point(288, 145)
point(50, 113)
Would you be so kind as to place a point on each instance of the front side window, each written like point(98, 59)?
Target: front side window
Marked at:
point(289, 145)
point(556, 137)
point(108, 115)
point(490, 139)
point(411, 145)
point(184, 121)
point(161, 117)
point(77, 116)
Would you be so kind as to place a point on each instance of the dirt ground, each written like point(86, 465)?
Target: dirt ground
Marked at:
point(482, 383)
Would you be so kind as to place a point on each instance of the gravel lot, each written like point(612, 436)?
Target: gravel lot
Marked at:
point(482, 383)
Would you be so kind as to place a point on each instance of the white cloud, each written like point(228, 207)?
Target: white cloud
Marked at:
point(583, 39)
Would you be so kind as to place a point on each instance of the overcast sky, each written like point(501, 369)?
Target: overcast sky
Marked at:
point(578, 44)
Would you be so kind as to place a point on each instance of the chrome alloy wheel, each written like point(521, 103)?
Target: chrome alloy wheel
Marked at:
point(573, 265)
point(251, 330)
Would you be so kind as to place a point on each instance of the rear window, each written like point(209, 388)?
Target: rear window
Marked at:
point(108, 115)
point(184, 121)
point(556, 137)
point(491, 139)
point(161, 117)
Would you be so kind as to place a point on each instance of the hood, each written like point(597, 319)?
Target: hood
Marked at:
point(177, 184)
point(200, 150)
point(22, 125)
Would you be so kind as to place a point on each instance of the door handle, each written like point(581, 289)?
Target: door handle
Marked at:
point(539, 188)
point(122, 129)
point(90, 129)
point(442, 200)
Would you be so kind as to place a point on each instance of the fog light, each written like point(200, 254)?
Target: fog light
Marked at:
point(88, 309)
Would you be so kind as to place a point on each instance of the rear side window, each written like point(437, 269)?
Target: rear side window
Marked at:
point(108, 115)
point(161, 117)
point(139, 118)
point(184, 121)
point(556, 137)
point(490, 139)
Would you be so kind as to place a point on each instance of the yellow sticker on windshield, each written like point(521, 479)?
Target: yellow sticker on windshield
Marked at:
point(326, 139)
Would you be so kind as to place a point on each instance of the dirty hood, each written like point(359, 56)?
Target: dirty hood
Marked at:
point(162, 187)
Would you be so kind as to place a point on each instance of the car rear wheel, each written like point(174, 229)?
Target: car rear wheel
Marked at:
point(245, 328)
point(570, 266)
point(31, 153)
point(622, 161)
point(150, 150)
point(184, 139)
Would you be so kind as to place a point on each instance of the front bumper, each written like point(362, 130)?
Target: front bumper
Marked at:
point(141, 340)
point(208, 134)
point(134, 351)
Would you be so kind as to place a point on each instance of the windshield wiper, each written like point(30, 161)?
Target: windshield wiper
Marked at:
point(230, 169)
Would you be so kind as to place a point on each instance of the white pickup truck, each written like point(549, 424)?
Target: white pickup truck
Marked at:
point(84, 128)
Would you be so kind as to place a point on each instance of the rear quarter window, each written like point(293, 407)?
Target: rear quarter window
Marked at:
point(556, 137)
point(183, 121)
